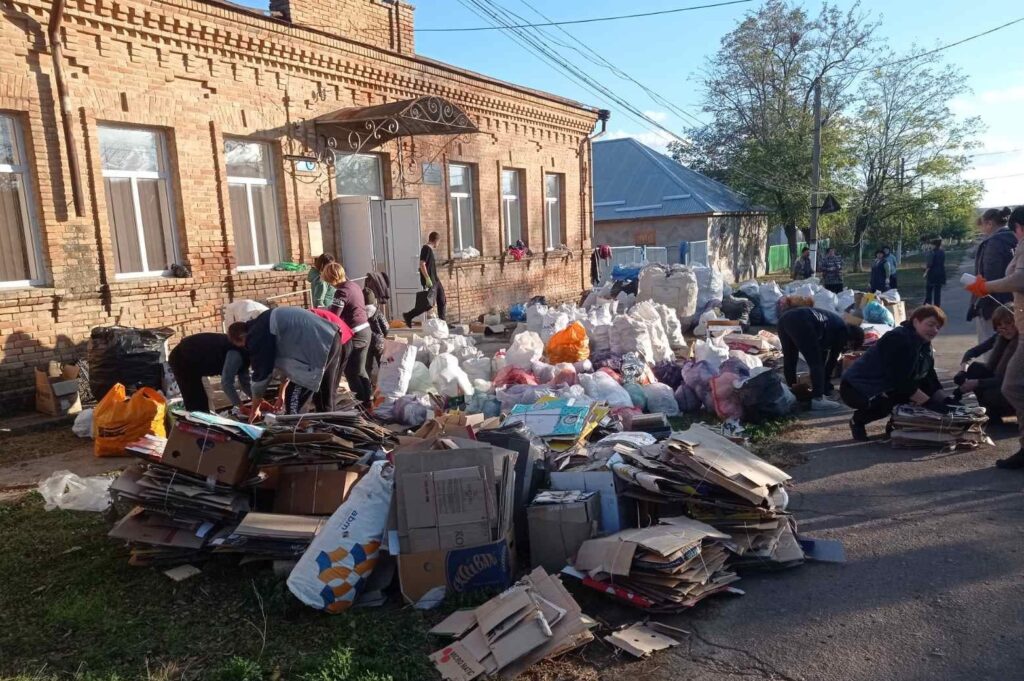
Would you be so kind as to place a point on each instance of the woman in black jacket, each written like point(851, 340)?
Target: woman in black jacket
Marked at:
point(899, 368)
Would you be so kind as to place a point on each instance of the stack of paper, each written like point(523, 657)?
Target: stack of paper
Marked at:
point(534, 620)
point(961, 428)
point(173, 493)
point(563, 423)
point(269, 536)
point(717, 482)
point(663, 568)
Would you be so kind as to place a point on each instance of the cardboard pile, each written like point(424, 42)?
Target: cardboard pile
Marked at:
point(455, 500)
point(355, 435)
point(57, 389)
point(663, 568)
point(961, 428)
point(269, 536)
point(534, 620)
point(718, 482)
point(560, 422)
point(559, 524)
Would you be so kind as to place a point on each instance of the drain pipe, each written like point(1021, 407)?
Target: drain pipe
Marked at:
point(57, 50)
point(587, 205)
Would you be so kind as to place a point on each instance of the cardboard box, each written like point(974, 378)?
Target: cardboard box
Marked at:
point(898, 310)
point(557, 530)
point(617, 513)
point(57, 389)
point(483, 566)
point(314, 490)
point(208, 453)
point(455, 423)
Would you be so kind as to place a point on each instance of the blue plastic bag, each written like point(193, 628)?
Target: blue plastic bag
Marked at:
point(876, 313)
point(517, 312)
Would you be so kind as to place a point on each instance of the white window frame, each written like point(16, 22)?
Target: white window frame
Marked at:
point(510, 202)
point(338, 158)
point(249, 183)
point(28, 214)
point(459, 198)
point(553, 203)
point(136, 175)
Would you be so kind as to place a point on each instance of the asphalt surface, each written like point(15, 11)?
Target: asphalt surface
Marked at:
point(933, 585)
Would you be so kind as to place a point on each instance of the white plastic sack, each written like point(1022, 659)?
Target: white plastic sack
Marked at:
point(892, 295)
point(242, 311)
point(629, 334)
point(714, 351)
point(603, 388)
point(436, 328)
point(498, 362)
point(535, 317)
point(676, 287)
point(751, 289)
point(702, 326)
point(598, 324)
point(846, 300)
point(542, 371)
point(710, 285)
point(449, 379)
point(478, 368)
point(419, 380)
point(748, 360)
point(526, 349)
point(673, 328)
point(770, 294)
point(396, 366)
point(825, 300)
point(335, 568)
point(70, 492)
point(661, 398)
point(554, 321)
point(83, 424)
point(648, 313)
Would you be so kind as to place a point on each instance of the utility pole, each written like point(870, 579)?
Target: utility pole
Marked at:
point(903, 178)
point(815, 176)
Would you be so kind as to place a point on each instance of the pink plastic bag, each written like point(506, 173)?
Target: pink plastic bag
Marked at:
point(726, 398)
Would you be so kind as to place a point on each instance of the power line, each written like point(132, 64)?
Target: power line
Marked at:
point(998, 177)
point(584, 21)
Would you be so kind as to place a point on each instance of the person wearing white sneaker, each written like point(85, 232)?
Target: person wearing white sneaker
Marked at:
point(821, 337)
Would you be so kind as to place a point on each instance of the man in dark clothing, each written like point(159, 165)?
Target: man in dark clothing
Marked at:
point(934, 274)
point(898, 369)
point(879, 279)
point(831, 268)
point(821, 337)
point(802, 268)
point(209, 354)
point(432, 288)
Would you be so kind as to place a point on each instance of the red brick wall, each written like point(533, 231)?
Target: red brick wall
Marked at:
point(198, 72)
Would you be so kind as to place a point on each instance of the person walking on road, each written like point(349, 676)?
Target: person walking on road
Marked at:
point(821, 337)
point(1013, 282)
point(990, 261)
point(802, 268)
point(934, 274)
point(831, 269)
point(433, 292)
point(209, 354)
point(899, 368)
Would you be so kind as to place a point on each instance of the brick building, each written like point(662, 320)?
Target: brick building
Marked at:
point(199, 133)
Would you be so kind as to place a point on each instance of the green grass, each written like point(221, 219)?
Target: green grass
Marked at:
point(75, 610)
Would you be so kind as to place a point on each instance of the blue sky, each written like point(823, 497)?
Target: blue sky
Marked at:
point(666, 54)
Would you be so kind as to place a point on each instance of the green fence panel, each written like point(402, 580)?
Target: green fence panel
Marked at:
point(778, 256)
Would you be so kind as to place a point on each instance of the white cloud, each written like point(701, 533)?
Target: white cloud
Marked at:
point(655, 140)
point(1002, 96)
point(657, 116)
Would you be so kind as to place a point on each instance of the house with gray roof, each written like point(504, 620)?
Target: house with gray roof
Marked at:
point(645, 198)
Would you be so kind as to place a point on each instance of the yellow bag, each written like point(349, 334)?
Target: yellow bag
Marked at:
point(569, 345)
point(118, 422)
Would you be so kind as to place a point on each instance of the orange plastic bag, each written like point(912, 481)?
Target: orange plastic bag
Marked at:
point(569, 345)
point(118, 422)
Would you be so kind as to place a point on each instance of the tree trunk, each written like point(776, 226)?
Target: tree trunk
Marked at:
point(859, 229)
point(791, 239)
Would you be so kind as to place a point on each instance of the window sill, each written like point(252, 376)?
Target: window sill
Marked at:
point(26, 294)
point(154, 283)
point(268, 274)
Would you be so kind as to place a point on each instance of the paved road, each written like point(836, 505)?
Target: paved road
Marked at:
point(933, 586)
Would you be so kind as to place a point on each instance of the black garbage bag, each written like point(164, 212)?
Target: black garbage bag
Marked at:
point(121, 354)
point(766, 396)
point(757, 316)
point(737, 309)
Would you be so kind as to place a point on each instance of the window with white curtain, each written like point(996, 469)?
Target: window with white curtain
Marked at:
point(358, 175)
point(254, 215)
point(19, 243)
point(137, 186)
point(511, 206)
point(553, 210)
point(460, 187)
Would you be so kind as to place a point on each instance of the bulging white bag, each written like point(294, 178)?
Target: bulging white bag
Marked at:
point(673, 328)
point(629, 334)
point(448, 377)
point(770, 294)
point(477, 368)
point(526, 349)
point(334, 569)
point(419, 380)
point(845, 300)
point(661, 398)
point(436, 327)
point(396, 366)
point(242, 311)
point(554, 321)
point(825, 300)
point(535, 317)
point(603, 388)
point(83, 424)
point(714, 351)
point(648, 313)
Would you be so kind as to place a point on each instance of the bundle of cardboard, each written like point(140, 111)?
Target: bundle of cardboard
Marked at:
point(562, 423)
point(663, 568)
point(534, 620)
point(269, 536)
point(718, 482)
point(960, 428)
point(355, 432)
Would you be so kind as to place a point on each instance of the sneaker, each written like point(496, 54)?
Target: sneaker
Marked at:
point(407, 319)
point(858, 431)
point(1012, 463)
point(821, 404)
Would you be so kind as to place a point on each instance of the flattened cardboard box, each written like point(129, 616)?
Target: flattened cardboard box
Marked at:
point(208, 453)
point(314, 490)
point(558, 530)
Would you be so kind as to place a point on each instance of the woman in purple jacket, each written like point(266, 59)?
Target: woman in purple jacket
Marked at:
point(351, 307)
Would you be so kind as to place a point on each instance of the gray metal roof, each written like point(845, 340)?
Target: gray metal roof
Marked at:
point(631, 180)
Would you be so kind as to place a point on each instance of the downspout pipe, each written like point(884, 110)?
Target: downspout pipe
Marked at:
point(587, 202)
point(66, 115)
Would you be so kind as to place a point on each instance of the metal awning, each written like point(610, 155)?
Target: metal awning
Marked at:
point(363, 128)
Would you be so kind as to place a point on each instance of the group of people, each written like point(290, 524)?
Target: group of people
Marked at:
point(308, 350)
point(830, 268)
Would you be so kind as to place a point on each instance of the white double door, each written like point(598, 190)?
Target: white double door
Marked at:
point(377, 235)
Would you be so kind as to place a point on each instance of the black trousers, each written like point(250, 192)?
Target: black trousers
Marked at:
point(440, 302)
point(355, 365)
point(933, 295)
point(296, 397)
point(193, 392)
point(880, 406)
point(799, 336)
point(834, 288)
